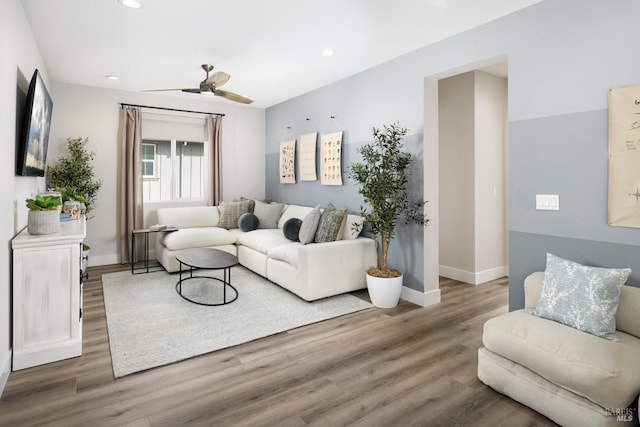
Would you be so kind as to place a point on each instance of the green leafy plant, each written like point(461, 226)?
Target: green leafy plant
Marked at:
point(73, 176)
point(43, 203)
point(383, 178)
point(70, 193)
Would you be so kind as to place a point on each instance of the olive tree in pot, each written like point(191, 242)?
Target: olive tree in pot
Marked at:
point(73, 176)
point(383, 178)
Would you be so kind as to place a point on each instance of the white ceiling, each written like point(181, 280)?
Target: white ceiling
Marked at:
point(271, 48)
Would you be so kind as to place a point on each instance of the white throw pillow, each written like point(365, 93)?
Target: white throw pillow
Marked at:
point(309, 226)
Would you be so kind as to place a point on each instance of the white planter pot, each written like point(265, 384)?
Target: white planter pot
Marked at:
point(384, 292)
point(43, 222)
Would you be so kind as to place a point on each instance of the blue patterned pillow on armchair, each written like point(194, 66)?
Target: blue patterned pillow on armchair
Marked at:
point(582, 297)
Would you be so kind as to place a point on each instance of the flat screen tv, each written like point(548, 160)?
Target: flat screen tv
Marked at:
point(34, 141)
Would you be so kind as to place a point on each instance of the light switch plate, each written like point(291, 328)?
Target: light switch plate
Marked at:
point(548, 202)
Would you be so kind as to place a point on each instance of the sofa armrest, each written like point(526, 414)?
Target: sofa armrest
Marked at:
point(335, 267)
point(532, 289)
point(186, 217)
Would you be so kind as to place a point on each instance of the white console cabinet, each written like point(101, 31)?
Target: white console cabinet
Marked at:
point(47, 295)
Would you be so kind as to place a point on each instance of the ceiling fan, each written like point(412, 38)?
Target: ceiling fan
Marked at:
point(210, 85)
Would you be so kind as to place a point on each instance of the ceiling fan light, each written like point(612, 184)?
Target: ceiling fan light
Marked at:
point(133, 4)
point(327, 52)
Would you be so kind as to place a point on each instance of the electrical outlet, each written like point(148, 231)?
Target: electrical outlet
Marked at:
point(548, 202)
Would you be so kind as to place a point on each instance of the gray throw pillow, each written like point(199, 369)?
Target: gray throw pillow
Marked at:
point(248, 222)
point(309, 225)
point(585, 298)
point(268, 214)
point(291, 229)
point(331, 221)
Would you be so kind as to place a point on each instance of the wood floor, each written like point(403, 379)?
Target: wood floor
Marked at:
point(408, 366)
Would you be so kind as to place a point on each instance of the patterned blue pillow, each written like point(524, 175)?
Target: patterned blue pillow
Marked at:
point(585, 298)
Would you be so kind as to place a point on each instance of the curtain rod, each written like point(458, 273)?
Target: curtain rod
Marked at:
point(170, 109)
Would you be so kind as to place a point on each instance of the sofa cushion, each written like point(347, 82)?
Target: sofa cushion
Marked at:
point(309, 226)
point(287, 253)
point(263, 240)
point(197, 237)
point(248, 222)
point(291, 229)
point(330, 223)
point(230, 213)
point(605, 372)
point(583, 297)
point(268, 214)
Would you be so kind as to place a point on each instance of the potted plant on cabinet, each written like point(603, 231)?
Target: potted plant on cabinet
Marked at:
point(44, 217)
point(383, 178)
point(73, 176)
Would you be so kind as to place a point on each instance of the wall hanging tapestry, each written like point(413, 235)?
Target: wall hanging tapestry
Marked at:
point(624, 156)
point(330, 155)
point(287, 162)
point(307, 159)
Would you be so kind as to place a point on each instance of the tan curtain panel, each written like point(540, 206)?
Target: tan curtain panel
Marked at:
point(131, 205)
point(214, 135)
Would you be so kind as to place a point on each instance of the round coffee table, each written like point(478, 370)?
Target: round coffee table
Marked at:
point(211, 259)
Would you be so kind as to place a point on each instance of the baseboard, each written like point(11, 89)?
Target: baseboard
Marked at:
point(5, 370)
point(95, 260)
point(423, 299)
point(474, 278)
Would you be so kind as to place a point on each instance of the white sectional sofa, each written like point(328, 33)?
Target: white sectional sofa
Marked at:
point(573, 377)
point(311, 271)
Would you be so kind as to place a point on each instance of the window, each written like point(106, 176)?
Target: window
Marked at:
point(173, 170)
point(148, 160)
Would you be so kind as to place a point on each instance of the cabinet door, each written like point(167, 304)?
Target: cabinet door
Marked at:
point(46, 295)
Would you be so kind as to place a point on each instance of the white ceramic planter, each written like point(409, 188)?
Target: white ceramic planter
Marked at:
point(384, 292)
point(43, 222)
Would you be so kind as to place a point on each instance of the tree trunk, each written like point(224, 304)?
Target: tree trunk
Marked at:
point(384, 237)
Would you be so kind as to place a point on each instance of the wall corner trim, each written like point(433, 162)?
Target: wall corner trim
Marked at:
point(423, 299)
point(5, 369)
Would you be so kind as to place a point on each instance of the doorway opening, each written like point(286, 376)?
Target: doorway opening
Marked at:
point(466, 180)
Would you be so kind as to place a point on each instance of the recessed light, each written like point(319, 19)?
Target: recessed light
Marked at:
point(327, 52)
point(133, 4)
point(112, 77)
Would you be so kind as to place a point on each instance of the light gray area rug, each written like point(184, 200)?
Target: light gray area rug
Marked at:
point(150, 325)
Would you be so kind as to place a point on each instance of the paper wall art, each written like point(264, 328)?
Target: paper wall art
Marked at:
point(624, 156)
point(330, 158)
point(287, 162)
point(307, 160)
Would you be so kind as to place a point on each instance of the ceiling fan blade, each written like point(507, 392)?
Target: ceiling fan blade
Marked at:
point(162, 90)
point(217, 79)
point(233, 96)
point(188, 90)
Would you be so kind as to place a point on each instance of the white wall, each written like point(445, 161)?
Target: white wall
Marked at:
point(472, 118)
point(457, 172)
point(93, 112)
point(490, 176)
point(19, 57)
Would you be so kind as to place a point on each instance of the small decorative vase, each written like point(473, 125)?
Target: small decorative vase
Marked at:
point(384, 291)
point(43, 222)
point(72, 208)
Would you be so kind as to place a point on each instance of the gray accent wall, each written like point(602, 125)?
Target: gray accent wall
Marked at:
point(563, 56)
